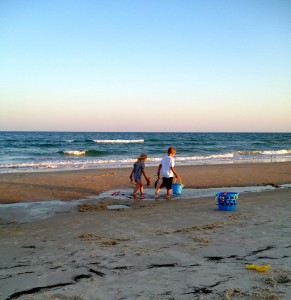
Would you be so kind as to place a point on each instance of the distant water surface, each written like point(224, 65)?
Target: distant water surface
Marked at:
point(36, 151)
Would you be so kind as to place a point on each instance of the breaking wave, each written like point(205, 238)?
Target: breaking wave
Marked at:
point(269, 152)
point(118, 141)
point(83, 152)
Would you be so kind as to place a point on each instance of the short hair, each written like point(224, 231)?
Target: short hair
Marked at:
point(171, 150)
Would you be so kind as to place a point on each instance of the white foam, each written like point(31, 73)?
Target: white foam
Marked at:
point(118, 141)
point(206, 157)
point(75, 152)
point(77, 161)
point(267, 152)
point(283, 151)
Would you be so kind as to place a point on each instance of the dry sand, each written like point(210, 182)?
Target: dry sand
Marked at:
point(178, 249)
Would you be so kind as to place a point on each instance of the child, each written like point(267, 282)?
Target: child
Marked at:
point(167, 166)
point(137, 172)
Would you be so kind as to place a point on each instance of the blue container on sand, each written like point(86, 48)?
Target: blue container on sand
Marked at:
point(226, 200)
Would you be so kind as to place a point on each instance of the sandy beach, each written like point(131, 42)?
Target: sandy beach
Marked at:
point(177, 249)
point(69, 185)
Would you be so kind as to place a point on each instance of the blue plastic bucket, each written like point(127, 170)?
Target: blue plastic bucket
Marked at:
point(226, 200)
point(177, 187)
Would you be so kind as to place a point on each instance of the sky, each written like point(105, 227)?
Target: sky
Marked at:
point(145, 65)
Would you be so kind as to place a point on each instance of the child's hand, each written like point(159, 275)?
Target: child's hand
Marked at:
point(148, 181)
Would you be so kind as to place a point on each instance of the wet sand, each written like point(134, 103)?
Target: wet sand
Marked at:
point(69, 185)
point(177, 249)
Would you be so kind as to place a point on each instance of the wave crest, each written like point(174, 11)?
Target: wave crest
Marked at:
point(119, 141)
point(269, 152)
point(83, 152)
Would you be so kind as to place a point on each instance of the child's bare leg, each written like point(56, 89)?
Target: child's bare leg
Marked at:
point(136, 189)
point(158, 191)
point(141, 189)
point(141, 192)
point(169, 194)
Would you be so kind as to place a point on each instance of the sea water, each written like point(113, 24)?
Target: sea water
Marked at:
point(39, 151)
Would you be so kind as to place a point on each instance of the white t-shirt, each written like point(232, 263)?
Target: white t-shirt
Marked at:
point(167, 162)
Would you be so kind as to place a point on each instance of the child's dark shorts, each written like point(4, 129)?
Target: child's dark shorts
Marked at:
point(167, 182)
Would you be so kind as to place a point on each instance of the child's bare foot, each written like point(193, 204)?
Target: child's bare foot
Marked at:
point(141, 196)
point(156, 195)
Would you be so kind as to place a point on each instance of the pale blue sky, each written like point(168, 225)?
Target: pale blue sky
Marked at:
point(147, 65)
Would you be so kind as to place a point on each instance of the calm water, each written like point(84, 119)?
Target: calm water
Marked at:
point(35, 151)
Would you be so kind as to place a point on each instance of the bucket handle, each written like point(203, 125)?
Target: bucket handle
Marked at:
point(174, 181)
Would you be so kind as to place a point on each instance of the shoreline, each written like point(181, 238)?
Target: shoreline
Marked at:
point(76, 184)
point(153, 164)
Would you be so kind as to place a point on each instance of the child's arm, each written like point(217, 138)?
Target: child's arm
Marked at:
point(145, 176)
point(159, 170)
point(175, 173)
point(130, 176)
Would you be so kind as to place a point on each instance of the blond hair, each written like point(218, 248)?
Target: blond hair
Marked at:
point(143, 157)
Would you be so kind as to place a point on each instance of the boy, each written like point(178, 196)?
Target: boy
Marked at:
point(167, 166)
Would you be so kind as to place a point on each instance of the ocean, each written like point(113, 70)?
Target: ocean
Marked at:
point(41, 151)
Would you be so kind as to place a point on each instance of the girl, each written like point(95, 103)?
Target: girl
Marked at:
point(137, 172)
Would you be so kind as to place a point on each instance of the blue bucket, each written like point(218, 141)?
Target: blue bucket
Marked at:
point(177, 187)
point(226, 200)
